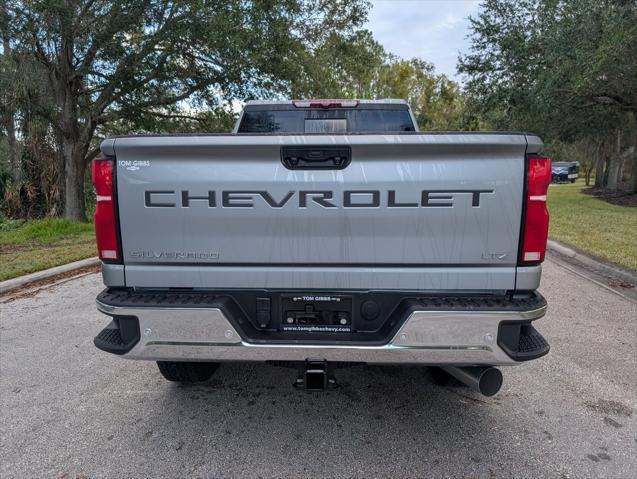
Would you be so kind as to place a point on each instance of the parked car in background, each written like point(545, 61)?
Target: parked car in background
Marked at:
point(565, 171)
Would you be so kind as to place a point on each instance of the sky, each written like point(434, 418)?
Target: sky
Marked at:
point(434, 30)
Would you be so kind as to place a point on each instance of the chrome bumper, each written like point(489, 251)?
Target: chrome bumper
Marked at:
point(427, 337)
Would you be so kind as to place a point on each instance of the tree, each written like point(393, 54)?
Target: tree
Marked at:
point(356, 66)
point(436, 101)
point(341, 66)
point(564, 69)
point(7, 66)
point(135, 60)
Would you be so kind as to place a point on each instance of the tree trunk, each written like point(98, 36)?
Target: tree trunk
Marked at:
point(599, 171)
point(620, 171)
point(9, 120)
point(614, 166)
point(632, 182)
point(14, 157)
point(74, 170)
point(607, 161)
point(613, 173)
point(56, 198)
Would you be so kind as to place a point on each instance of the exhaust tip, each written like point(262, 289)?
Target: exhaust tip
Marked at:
point(490, 381)
point(486, 380)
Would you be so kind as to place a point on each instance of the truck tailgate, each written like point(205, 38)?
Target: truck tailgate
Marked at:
point(447, 204)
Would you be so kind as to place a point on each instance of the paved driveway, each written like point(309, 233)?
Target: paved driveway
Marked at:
point(69, 410)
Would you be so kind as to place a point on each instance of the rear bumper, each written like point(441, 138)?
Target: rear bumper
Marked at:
point(426, 336)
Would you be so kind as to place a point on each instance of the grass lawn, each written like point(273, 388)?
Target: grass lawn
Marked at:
point(37, 245)
point(603, 230)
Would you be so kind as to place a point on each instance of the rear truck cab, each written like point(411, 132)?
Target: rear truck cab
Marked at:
point(323, 233)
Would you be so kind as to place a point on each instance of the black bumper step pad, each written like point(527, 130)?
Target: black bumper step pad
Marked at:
point(206, 299)
point(521, 341)
point(111, 337)
point(129, 298)
point(120, 336)
point(531, 342)
point(527, 302)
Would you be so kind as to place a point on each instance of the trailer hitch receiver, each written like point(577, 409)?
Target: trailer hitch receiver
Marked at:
point(315, 375)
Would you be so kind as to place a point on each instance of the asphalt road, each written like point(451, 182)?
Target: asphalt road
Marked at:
point(69, 410)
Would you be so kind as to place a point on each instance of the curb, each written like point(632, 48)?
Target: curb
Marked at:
point(561, 249)
point(596, 266)
point(21, 281)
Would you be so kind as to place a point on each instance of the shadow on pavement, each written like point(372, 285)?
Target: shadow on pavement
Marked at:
point(251, 412)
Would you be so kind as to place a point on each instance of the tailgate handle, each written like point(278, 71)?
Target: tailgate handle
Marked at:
point(316, 157)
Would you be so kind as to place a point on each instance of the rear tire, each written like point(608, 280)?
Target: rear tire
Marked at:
point(183, 372)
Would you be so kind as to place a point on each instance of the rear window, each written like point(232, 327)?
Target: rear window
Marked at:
point(333, 120)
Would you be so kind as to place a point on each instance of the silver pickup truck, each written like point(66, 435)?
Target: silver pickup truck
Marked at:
point(319, 234)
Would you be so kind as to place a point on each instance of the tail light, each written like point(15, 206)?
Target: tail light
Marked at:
point(536, 219)
point(325, 103)
point(105, 218)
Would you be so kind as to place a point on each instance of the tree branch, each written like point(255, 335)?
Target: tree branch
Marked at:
point(610, 99)
point(92, 154)
point(40, 53)
point(171, 100)
point(107, 97)
point(171, 116)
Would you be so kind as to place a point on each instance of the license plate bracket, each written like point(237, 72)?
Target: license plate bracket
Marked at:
point(316, 313)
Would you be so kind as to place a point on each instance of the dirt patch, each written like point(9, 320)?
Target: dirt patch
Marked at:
point(17, 248)
point(13, 248)
point(617, 198)
point(31, 289)
point(613, 408)
point(620, 284)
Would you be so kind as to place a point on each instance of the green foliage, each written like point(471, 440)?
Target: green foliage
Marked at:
point(104, 65)
point(563, 69)
point(599, 228)
point(43, 231)
point(34, 193)
point(356, 66)
point(5, 175)
point(566, 70)
point(8, 224)
point(177, 120)
point(76, 71)
point(132, 58)
point(28, 246)
point(341, 66)
point(437, 102)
